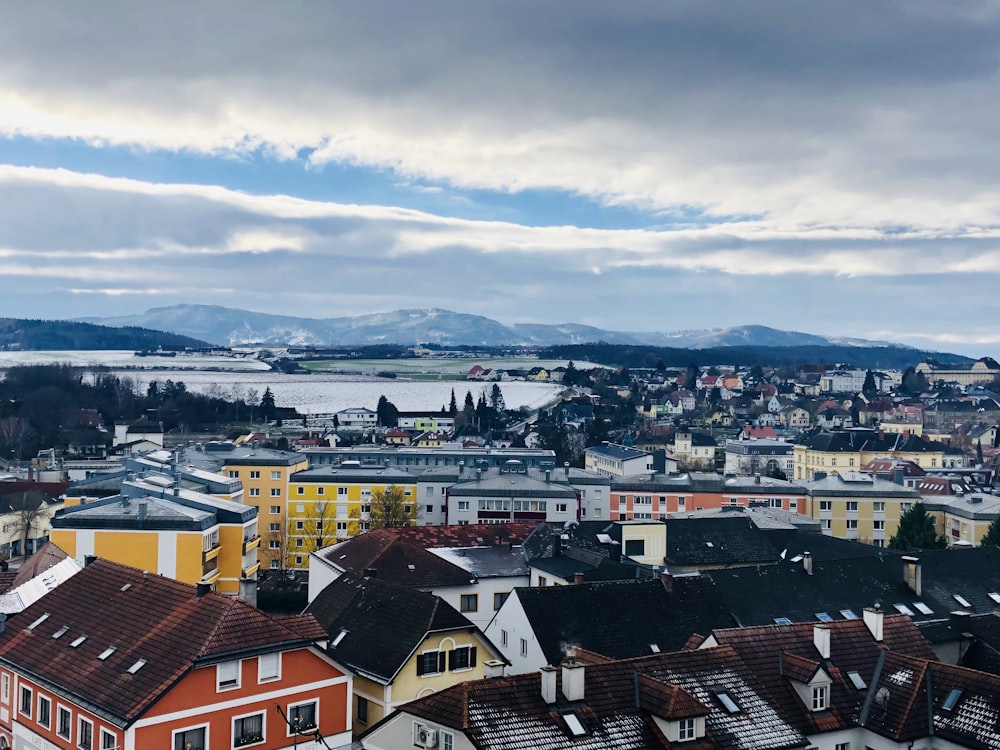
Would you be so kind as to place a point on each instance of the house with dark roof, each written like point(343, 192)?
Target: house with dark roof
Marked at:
point(664, 700)
point(473, 568)
point(115, 657)
point(537, 626)
point(398, 643)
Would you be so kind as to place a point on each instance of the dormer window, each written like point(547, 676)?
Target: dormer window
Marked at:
point(820, 697)
point(687, 729)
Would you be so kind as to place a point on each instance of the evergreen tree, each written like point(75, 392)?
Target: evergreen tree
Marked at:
point(453, 405)
point(386, 412)
point(979, 452)
point(869, 388)
point(992, 536)
point(571, 376)
point(916, 531)
point(267, 403)
point(496, 400)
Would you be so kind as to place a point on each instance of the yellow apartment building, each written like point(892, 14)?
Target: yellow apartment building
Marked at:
point(857, 506)
point(849, 450)
point(188, 536)
point(331, 503)
point(962, 519)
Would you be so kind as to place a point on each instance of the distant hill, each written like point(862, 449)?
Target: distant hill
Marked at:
point(233, 327)
point(62, 335)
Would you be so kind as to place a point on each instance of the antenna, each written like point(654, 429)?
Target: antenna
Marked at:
point(296, 730)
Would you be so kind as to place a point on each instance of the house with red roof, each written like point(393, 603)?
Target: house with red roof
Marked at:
point(115, 657)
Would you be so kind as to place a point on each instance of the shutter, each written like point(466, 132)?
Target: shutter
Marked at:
point(472, 657)
point(420, 665)
point(440, 661)
point(451, 660)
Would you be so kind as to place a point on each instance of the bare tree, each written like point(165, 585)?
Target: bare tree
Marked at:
point(13, 431)
point(320, 527)
point(392, 509)
point(29, 516)
point(274, 548)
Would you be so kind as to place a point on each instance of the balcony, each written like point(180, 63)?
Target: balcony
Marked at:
point(251, 543)
point(210, 576)
point(211, 553)
point(251, 571)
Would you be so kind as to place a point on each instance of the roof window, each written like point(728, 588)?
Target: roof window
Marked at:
point(76, 643)
point(137, 666)
point(903, 609)
point(824, 617)
point(574, 725)
point(923, 608)
point(856, 680)
point(848, 614)
point(961, 600)
point(782, 621)
point(339, 638)
point(728, 702)
point(61, 632)
point(38, 622)
point(952, 700)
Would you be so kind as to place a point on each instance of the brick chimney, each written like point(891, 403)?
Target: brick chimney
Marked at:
point(578, 578)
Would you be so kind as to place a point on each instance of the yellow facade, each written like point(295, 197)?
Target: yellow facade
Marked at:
point(867, 519)
point(329, 505)
point(807, 462)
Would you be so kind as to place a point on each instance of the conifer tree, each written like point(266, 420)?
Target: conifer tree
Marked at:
point(916, 531)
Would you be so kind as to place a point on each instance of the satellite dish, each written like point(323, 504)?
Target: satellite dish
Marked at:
point(570, 525)
point(882, 697)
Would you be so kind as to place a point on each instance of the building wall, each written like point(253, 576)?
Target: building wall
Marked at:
point(511, 632)
point(858, 516)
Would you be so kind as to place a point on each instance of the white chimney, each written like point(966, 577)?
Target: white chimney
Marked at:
point(548, 684)
point(494, 669)
point(821, 639)
point(874, 617)
point(572, 680)
point(807, 563)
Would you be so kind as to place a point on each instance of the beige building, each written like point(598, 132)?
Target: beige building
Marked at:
point(982, 371)
point(857, 506)
point(963, 520)
point(836, 451)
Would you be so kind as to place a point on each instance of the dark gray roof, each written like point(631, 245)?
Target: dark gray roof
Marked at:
point(717, 542)
point(622, 618)
point(486, 562)
point(383, 624)
point(150, 513)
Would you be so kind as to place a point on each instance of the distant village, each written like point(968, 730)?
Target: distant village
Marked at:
point(736, 558)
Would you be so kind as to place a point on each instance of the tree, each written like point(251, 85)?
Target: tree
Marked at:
point(391, 508)
point(869, 388)
point(979, 452)
point(274, 548)
point(496, 400)
point(386, 412)
point(916, 531)
point(320, 527)
point(571, 376)
point(992, 536)
point(453, 405)
point(267, 404)
point(29, 515)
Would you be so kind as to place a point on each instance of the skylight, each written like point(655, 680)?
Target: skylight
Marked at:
point(961, 600)
point(797, 559)
point(994, 596)
point(782, 621)
point(61, 632)
point(339, 638)
point(654, 647)
point(78, 641)
point(848, 614)
point(824, 617)
point(38, 622)
point(952, 700)
point(923, 608)
point(137, 666)
point(106, 653)
point(126, 587)
point(575, 727)
point(856, 680)
point(903, 609)
point(727, 702)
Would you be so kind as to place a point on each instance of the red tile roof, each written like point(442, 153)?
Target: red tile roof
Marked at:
point(149, 617)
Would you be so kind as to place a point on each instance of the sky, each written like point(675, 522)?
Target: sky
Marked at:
point(832, 168)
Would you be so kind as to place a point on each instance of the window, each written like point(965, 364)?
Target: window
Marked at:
point(429, 509)
point(85, 734)
point(255, 475)
point(362, 710)
point(302, 717)
point(560, 507)
point(826, 505)
point(878, 507)
point(298, 543)
point(275, 564)
point(234, 474)
point(190, 739)
point(25, 707)
point(447, 741)
point(635, 547)
point(469, 603)
point(248, 730)
point(44, 711)
point(341, 491)
point(463, 504)
point(852, 506)
point(879, 525)
point(842, 746)
point(275, 492)
point(300, 525)
point(852, 524)
point(268, 667)
point(685, 730)
point(227, 675)
point(275, 510)
point(503, 637)
point(298, 559)
point(543, 581)
point(300, 490)
point(275, 475)
point(274, 527)
point(64, 722)
point(524, 647)
point(274, 544)
point(430, 662)
point(5, 689)
point(461, 657)
point(108, 740)
point(826, 524)
point(499, 598)
point(820, 693)
point(254, 492)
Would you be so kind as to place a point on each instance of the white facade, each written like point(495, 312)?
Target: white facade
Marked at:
point(511, 632)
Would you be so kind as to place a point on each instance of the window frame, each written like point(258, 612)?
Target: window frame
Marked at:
point(468, 603)
point(263, 678)
point(81, 722)
point(291, 707)
point(222, 686)
point(176, 735)
point(38, 708)
point(687, 730)
point(25, 692)
point(820, 697)
point(105, 745)
point(62, 711)
point(263, 728)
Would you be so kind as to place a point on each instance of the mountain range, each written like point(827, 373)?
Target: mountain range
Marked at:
point(233, 327)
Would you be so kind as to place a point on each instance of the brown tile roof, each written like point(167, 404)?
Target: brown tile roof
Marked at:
point(473, 535)
point(46, 556)
point(144, 617)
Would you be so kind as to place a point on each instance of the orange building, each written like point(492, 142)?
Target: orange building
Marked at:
point(118, 658)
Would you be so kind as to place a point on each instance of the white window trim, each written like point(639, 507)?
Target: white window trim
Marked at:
point(288, 712)
point(106, 733)
point(5, 690)
point(38, 710)
point(80, 721)
point(263, 727)
point(173, 735)
point(260, 672)
point(20, 701)
point(219, 687)
point(55, 729)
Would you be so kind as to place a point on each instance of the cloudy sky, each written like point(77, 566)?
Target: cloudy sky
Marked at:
point(825, 167)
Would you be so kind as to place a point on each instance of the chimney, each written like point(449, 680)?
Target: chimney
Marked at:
point(578, 578)
point(807, 563)
point(461, 467)
point(873, 620)
point(572, 680)
point(898, 473)
point(248, 591)
point(142, 509)
point(371, 572)
point(203, 588)
point(615, 551)
point(549, 684)
point(821, 639)
point(566, 468)
point(548, 476)
point(667, 579)
point(88, 559)
point(912, 574)
point(494, 669)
